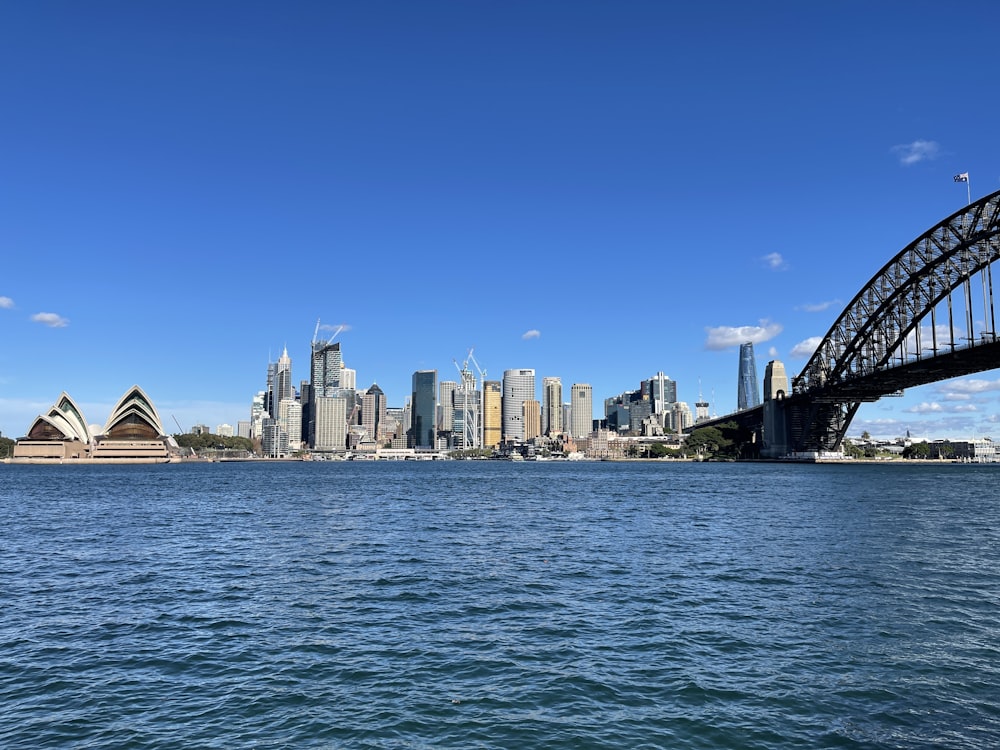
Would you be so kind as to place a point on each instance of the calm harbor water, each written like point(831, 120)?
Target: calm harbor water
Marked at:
point(499, 605)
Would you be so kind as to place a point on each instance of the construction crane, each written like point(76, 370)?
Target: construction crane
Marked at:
point(470, 417)
point(481, 437)
point(315, 338)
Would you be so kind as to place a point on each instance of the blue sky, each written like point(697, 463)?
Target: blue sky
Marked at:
point(596, 190)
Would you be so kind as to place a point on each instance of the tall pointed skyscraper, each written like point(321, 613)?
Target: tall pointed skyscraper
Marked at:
point(748, 390)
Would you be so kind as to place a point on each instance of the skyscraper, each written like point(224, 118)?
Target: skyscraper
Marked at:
point(552, 423)
point(446, 392)
point(327, 368)
point(518, 387)
point(423, 405)
point(283, 378)
point(748, 390)
point(662, 391)
point(582, 400)
point(492, 413)
point(373, 412)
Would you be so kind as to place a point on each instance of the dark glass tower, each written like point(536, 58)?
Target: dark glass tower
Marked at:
point(423, 407)
point(748, 391)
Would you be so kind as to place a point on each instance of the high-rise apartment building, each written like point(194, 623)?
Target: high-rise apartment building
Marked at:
point(582, 400)
point(423, 406)
point(518, 387)
point(748, 389)
point(492, 413)
point(290, 420)
point(532, 419)
point(552, 423)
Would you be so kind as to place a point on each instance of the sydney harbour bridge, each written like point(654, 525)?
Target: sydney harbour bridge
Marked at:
point(927, 315)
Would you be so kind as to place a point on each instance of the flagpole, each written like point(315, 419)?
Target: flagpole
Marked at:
point(968, 189)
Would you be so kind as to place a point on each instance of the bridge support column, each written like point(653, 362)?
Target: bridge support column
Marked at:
point(775, 430)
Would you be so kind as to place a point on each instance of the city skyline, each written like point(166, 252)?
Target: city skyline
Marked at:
point(595, 192)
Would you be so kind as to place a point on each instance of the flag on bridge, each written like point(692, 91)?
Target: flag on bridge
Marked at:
point(964, 177)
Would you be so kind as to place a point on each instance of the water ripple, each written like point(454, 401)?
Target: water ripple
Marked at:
point(488, 605)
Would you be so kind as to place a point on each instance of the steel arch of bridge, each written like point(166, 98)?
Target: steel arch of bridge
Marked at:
point(880, 330)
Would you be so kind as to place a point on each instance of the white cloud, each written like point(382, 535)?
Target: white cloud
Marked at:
point(6, 303)
point(818, 307)
point(916, 152)
point(773, 352)
point(956, 396)
point(532, 334)
point(975, 385)
point(926, 408)
point(775, 262)
point(53, 320)
point(958, 408)
point(805, 349)
point(725, 337)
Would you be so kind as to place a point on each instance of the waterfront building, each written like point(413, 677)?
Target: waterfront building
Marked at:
point(518, 387)
point(133, 432)
point(274, 440)
point(531, 418)
point(552, 422)
point(582, 400)
point(224, 430)
point(60, 433)
point(492, 413)
point(290, 420)
point(423, 409)
point(331, 424)
point(748, 389)
point(243, 429)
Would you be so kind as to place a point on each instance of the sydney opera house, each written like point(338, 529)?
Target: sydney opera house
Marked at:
point(133, 433)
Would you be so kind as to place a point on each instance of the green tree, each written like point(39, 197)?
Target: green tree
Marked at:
point(658, 450)
point(917, 450)
point(707, 441)
point(207, 441)
point(6, 447)
point(851, 450)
